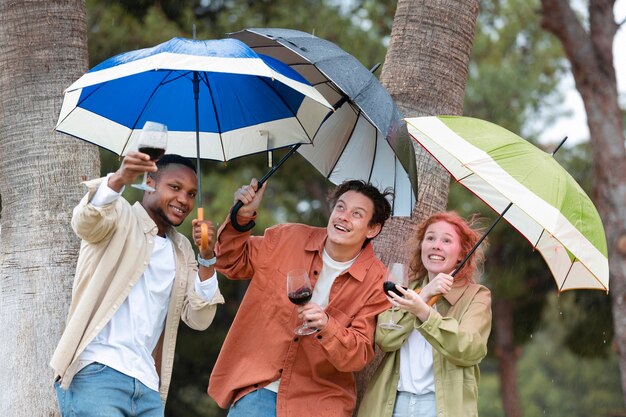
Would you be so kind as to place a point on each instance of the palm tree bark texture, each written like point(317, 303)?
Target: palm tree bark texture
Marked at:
point(425, 72)
point(43, 48)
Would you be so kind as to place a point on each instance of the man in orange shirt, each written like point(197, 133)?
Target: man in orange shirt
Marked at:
point(264, 368)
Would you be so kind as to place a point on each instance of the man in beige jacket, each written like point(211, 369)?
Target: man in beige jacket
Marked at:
point(135, 279)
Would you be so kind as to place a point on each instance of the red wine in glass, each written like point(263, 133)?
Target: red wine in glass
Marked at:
point(391, 286)
point(153, 142)
point(301, 296)
point(154, 153)
point(299, 292)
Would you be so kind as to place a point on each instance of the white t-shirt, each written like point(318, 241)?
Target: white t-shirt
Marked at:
point(128, 339)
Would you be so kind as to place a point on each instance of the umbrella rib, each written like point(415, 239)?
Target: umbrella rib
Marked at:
point(465, 177)
point(205, 79)
point(567, 275)
point(350, 135)
point(134, 125)
point(280, 96)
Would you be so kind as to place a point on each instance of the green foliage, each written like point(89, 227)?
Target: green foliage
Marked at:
point(514, 70)
point(515, 66)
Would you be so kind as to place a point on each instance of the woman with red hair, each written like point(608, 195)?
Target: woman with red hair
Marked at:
point(431, 365)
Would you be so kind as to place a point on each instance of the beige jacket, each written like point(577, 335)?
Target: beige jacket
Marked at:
point(115, 249)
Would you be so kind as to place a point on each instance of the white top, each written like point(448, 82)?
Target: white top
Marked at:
point(331, 269)
point(416, 365)
point(127, 341)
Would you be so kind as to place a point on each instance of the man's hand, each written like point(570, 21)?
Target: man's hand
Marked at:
point(250, 196)
point(133, 165)
point(314, 315)
point(207, 253)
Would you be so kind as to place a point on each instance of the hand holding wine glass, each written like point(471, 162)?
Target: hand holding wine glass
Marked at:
point(397, 274)
point(153, 142)
point(299, 292)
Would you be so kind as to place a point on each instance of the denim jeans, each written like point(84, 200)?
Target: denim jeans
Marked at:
point(259, 403)
point(100, 391)
point(412, 405)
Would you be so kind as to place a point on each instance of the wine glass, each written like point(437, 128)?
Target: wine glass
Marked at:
point(152, 141)
point(398, 274)
point(299, 292)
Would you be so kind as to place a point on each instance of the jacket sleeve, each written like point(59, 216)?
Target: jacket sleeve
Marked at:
point(390, 340)
point(236, 250)
point(198, 313)
point(350, 347)
point(462, 341)
point(95, 224)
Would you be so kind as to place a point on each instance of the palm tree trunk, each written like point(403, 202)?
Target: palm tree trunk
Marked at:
point(43, 48)
point(425, 71)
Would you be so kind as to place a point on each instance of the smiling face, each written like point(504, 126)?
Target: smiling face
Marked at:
point(173, 200)
point(441, 248)
point(348, 226)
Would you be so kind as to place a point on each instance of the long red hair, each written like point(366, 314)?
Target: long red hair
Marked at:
point(469, 233)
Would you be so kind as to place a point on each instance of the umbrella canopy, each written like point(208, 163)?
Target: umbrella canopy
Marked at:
point(365, 137)
point(537, 196)
point(246, 103)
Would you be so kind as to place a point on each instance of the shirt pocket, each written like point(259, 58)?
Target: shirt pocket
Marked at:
point(275, 303)
point(342, 318)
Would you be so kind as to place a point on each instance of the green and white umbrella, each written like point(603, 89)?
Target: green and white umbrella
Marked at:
point(535, 194)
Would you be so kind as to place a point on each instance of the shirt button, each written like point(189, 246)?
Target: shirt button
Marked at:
point(318, 336)
point(295, 339)
point(314, 272)
point(390, 402)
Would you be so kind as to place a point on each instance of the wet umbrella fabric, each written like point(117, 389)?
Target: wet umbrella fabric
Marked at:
point(537, 196)
point(246, 103)
point(365, 137)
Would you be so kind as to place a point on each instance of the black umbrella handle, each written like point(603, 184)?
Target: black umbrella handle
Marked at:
point(233, 211)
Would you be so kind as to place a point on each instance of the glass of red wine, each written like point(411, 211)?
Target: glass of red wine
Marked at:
point(299, 292)
point(397, 274)
point(153, 142)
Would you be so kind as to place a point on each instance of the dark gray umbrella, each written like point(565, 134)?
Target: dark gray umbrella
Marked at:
point(365, 138)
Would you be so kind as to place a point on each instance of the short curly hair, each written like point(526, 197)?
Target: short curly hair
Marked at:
point(382, 205)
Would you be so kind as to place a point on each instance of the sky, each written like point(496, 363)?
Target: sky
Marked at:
point(575, 126)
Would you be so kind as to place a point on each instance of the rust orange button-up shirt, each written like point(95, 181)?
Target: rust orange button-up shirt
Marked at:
point(316, 371)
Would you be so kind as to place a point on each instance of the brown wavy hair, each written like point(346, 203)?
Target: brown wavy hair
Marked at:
point(469, 233)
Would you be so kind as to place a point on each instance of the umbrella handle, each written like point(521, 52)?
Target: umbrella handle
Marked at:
point(204, 230)
point(233, 212)
point(433, 300)
point(233, 219)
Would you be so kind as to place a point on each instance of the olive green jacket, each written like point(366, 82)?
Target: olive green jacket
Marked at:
point(458, 331)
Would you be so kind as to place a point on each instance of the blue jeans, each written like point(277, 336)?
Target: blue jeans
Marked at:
point(100, 391)
point(411, 405)
point(259, 403)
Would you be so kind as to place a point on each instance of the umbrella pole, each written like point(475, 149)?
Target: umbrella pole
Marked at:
point(434, 299)
point(239, 204)
point(204, 240)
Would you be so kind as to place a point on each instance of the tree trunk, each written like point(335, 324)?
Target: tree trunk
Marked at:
point(43, 48)
point(591, 57)
point(425, 72)
point(506, 353)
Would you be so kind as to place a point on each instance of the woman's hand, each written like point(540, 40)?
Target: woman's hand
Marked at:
point(440, 285)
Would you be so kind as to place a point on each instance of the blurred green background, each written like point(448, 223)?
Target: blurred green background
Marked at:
point(566, 362)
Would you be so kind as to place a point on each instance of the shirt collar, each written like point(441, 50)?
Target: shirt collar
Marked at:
point(360, 267)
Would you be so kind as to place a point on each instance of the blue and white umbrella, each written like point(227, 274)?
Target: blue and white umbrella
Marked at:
point(218, 98)
point(246, 103)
